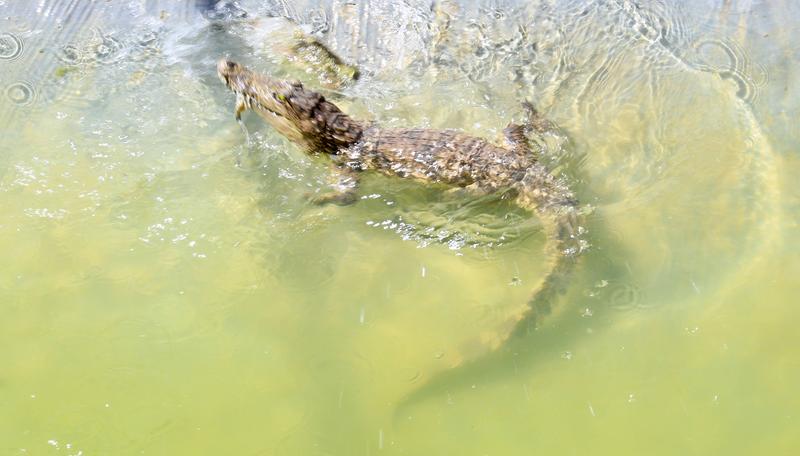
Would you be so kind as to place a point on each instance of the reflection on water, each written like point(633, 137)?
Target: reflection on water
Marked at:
point(168, 289)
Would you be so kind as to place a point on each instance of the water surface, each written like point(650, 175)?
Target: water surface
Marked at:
point(167, 289)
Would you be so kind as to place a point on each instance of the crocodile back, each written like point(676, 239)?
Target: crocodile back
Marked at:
point(444, 156)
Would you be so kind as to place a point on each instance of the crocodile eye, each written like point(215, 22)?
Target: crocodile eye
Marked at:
point(280, 97)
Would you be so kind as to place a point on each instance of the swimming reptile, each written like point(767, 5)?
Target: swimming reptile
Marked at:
point(441, 156)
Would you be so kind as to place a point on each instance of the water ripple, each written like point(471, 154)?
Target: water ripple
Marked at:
point(71, 54)
point(733, 64)
point(21, 93)
point(10, 46)
point(106, 48)
point(625, 296)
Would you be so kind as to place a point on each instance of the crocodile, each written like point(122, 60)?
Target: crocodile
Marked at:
point(446, 157)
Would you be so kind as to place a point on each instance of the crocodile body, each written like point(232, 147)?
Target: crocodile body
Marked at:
point(440, 156)
point(460, 160)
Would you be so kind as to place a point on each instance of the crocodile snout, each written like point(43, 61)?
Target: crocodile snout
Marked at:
point(225, 68)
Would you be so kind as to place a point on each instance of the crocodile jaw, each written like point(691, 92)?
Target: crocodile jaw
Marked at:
point(302, 115)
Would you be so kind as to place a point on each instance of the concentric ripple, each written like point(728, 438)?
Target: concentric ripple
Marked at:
point(731, 62)
point(21, 93)
point(625, 296)
point(10, 46)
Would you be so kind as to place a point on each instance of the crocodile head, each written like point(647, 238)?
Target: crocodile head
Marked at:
point(302, 115)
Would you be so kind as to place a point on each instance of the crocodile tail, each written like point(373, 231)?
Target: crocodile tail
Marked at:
point(563, 247)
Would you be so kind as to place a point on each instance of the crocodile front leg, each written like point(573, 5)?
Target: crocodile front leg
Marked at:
point(542, 133)
point(536, 121)
point(520, 137)
point(241, 107)
point(345, 188)
point(516, 138)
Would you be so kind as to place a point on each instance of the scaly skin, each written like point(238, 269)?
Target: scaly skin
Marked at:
point(440, 156)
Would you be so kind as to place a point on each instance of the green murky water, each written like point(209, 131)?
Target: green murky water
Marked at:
point(167, 290)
